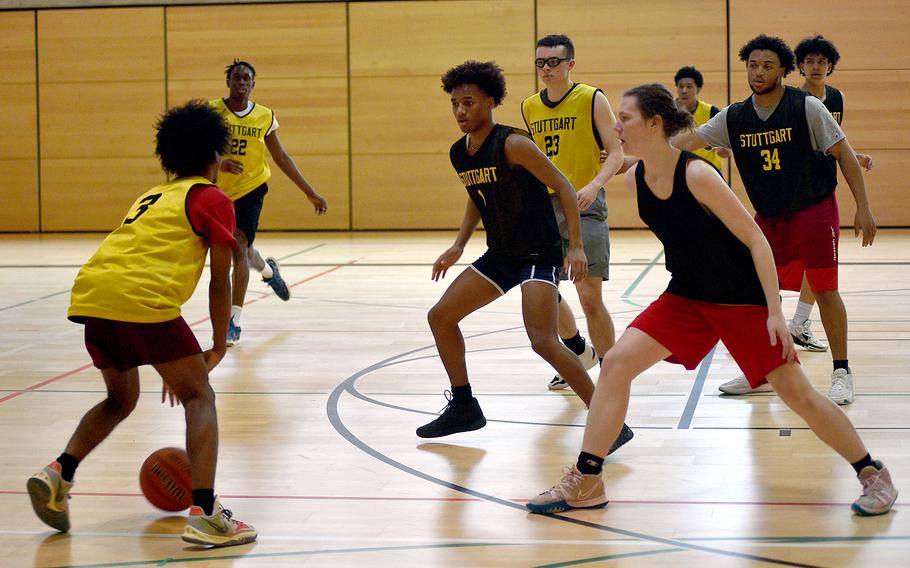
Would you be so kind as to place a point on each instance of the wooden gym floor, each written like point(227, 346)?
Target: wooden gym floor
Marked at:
point(319, 402)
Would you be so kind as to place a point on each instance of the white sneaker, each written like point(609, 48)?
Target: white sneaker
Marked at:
point(740, 385)
point(588, 360)
point(802, 336)
point(841, 390)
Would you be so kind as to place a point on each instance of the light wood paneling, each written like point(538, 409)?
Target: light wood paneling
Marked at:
point(110, 44)
point(300, 56)
point(93, 194)
point(279, 40)
point(101, 91)
point(286, 207)
point(427, 38)
point(19, 188)
point(661, 35)
point(391, 192)
point(869, 36)
point(19, 135)
point(401, 120)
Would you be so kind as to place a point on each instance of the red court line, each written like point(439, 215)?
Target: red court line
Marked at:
point(461, 499)
point(87, 365)
point(45, 382)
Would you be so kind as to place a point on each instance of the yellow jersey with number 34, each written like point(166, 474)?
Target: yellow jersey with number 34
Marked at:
point(565, 131)
point(248, 132)
point(148, 267)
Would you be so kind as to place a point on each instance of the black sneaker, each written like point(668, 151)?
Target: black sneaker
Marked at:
point(625, 435)
point(455, 417)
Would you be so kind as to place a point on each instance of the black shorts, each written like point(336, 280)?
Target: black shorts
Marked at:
point(247, 210)
point(506, 273)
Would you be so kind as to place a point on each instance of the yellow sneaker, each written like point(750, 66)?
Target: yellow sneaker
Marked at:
point(217, 529)
point(50, 497)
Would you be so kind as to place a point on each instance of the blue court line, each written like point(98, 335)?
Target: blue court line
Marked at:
point(610, 557)
point(348, 385)
point(172, 560)
point(695, 394)
point(32, 301)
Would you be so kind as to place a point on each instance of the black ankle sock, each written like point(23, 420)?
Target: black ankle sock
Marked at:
point(68, 465)
point(841, 364)
point(576, 344)
point(866, 461)
point(589, 464)
point(204, 499)
point(462, 394)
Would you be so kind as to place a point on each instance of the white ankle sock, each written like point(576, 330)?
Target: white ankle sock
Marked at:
point(803, 311)
point(267, 272)
point(235, 314)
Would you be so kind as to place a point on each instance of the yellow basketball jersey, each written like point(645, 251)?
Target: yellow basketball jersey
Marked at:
point(565, 131)
point(702, 115)
point(247, 146)
point(148, 267)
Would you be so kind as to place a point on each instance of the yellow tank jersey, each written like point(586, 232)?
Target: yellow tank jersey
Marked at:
point(148, 267)
point(247, 146)
point(702, 115)
point(565, 131)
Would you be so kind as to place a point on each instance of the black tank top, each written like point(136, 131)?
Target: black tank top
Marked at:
point(514, 205)
point(707, 262)
point(834, 102)
point(781, 171)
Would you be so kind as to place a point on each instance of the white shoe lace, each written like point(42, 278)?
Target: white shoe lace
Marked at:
point(875, 487)
point(839, 383)
point(570, 479)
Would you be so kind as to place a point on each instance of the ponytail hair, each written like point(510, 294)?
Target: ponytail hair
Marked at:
point(656, 100)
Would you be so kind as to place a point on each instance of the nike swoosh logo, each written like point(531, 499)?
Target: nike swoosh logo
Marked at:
point(588, 494)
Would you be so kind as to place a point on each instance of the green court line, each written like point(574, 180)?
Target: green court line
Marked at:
point(628, 293)
point(166, 561)
point(610, 557)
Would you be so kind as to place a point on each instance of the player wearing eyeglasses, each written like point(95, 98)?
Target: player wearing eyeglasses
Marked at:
point(572, 122)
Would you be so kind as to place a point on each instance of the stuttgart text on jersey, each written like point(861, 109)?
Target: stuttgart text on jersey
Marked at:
point(478, 176)
point(243, 130)
point(553, 124)
point(766, 138)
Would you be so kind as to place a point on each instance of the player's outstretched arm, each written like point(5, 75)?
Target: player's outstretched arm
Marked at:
point(454, 252)
point(220, 258)
point(849, 166)
point(290, 169)
point(612, 162)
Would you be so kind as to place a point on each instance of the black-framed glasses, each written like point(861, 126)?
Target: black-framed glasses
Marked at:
point(551, 61)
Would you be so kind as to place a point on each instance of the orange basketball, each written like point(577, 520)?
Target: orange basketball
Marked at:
point(166, 481)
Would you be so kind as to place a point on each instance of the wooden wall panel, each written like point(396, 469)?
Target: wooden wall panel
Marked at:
point(300, 56)
point(101, 85)
point(401, 120)
point(640, 45)
point(19, 135)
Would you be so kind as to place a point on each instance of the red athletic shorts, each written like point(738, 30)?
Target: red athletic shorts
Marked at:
point(689, 329)
point(124, 345)
point(805, 242)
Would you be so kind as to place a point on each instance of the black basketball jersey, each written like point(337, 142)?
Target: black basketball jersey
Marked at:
point(707, 262)
point(834, 102)
point(781, 171)
point(514, 205)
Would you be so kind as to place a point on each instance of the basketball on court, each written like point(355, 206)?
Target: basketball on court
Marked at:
point(165, 479)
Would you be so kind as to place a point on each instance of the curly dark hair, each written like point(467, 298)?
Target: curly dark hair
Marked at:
point(689, 72)
point(817, 45)
point(238, 63)
point(655, 99)
point(555, 40)
point(486, 75)
point(188, 137)
point(770, 43)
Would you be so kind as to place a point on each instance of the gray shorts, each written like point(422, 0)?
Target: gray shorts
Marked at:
point(595, 235)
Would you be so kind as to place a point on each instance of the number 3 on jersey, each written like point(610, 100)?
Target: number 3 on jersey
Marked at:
point(772, 160)
point(143, 207)
point(551, 145)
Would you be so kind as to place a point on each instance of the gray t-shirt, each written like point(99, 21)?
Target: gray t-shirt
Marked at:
point(823, 129)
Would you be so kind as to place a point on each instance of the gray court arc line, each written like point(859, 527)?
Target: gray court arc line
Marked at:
point(335, 419)
point(685, 421)
point(172, 560)
point(610, 557)
point(304, 251)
